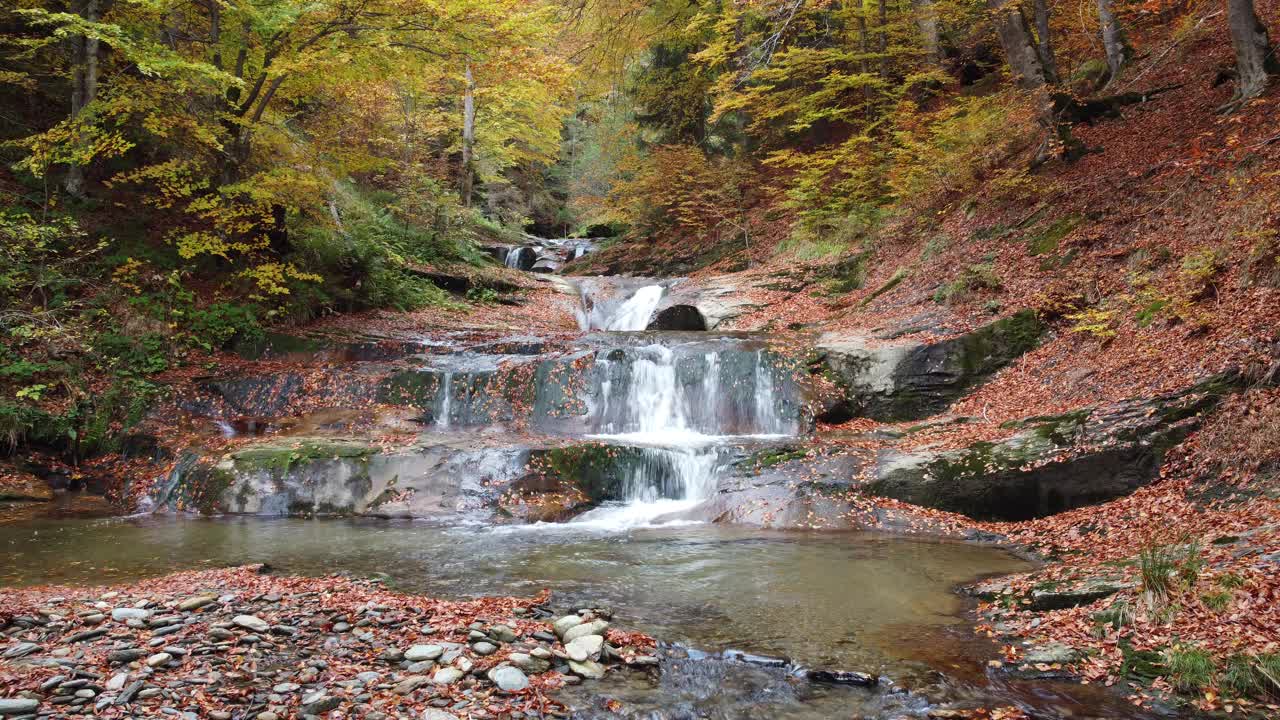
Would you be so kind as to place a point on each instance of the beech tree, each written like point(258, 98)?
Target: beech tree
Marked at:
point(1255, 56)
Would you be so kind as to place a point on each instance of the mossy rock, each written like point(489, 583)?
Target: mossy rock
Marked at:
point(280, 457)
point(1045, 241)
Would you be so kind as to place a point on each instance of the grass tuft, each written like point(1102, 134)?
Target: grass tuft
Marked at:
point(1190, 668)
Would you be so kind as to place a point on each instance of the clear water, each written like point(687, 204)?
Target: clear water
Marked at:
point(845, 601)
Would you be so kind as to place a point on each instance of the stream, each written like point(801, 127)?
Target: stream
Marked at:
point(682, 405)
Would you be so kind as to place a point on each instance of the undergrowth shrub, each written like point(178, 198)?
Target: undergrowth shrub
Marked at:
point(981, 276)
point(954, 149)
point(1190, 668)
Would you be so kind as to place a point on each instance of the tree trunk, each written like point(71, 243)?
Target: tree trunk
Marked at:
point(1113, 39)
point(84, 86)
point(468, 137)
point(883, 38)
point(1044, 42)
point(927, 22)
point(863, 45)
point(1019, 46)
point(1253, 50)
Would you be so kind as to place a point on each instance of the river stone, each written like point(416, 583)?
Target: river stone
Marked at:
point(411, 683)
point(18, 706)
point(418, 653)
point(502, 633)
point(529, 664)
point(159, 659)
point(484, 648)
point(251, 622)
point(584, 648)
point(588, 669)
point(562, 625)
point(195, 602)
point(318, 702)
point(436, 714)
point(595, 627)
point(21, 649)
point(508, 679)
point(1051, 654)
point(447, 676)
point(125, 614)
point(117, 681)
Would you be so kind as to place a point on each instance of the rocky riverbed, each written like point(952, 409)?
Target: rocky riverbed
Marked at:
point(238, 644)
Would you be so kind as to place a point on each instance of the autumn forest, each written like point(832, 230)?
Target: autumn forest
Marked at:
point(456, 359)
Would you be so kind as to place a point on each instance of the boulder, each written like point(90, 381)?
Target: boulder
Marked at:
point(1052, 464)
point(884, 379)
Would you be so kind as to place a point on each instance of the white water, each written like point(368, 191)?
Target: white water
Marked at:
point(631, 315)
point(446, 402)
point(674, 414)
point(514, 255)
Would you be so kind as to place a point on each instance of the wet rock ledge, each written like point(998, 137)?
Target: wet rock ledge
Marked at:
point(237, 644)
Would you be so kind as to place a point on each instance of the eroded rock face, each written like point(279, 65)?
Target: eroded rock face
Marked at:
point(339, 476)
point(1052, 464)
point(888, 380)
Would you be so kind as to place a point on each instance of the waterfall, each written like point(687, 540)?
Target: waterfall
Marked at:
point(600, 313)
point(676, 407)
point(665, 481)
point(446, 400)
point(681, 395)
point(516, 254)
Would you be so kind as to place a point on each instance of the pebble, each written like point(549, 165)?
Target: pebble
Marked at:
point(22, 649)
point(117, 681)
point(484, 648)
point(159, 659)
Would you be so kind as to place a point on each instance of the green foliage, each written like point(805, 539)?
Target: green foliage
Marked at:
point(221, 324)
point(894, 280)
point(1156, 566)
point(1094, 321)
point(1190, 668)
point(1252, 675)
point(1217, 600)
point(981, 276)
point(482, 295)
point(1164, 568)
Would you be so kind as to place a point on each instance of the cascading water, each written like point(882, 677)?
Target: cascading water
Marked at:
point(605, 313)
point(677, 407)
point(446, 400)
